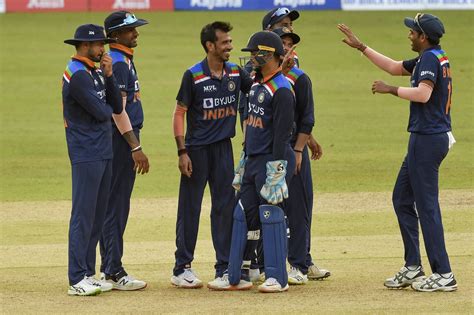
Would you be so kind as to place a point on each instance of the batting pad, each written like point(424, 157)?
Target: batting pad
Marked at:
point(237, 246)
point(274, 242)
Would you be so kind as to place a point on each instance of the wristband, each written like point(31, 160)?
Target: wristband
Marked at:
point(139, 148)
point(299, 151)
point(362, 47)
point(182, 151)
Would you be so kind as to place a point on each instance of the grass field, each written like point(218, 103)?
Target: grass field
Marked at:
point(363, 137)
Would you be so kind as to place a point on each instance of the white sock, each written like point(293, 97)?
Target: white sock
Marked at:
point(446, 275)
point(413, 267)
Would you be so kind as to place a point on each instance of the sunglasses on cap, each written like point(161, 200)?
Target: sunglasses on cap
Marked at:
point(418, 16)
point(280, 12)
point(129, 19)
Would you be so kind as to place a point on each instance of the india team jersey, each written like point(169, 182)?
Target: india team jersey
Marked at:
point(433, 116)
point(304, 113)
point(88, 102)
point(211, 102)
point(127, 79)
point(269, 115)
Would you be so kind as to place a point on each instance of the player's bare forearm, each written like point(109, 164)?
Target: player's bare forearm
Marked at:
point(180, 142)
point(131, 139)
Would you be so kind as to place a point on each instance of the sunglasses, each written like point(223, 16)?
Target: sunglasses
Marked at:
point(417, 21)
point(129, 19)
point(280, 12)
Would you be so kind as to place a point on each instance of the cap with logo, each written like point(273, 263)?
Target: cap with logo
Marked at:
point(284, 31)
point(89, 33)
point(265, 41)
point(122, 19)
point(426, 23)
point(276, 15)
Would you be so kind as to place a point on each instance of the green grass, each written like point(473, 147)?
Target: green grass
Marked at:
point(363, 135)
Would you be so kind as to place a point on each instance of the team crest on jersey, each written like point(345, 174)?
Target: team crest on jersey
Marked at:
point(231, 86)
point(261, 97)
point(266, 214)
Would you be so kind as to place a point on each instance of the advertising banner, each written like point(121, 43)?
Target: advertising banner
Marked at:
point(131, 5)
point(238, 5)
point(45, 5)
point(407, 4)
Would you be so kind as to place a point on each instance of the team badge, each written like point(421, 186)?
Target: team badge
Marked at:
point(261, 97)
point(266, 214)
point(231, 86)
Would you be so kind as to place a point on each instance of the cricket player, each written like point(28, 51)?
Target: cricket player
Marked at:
point(415, 195)
point(90, 97)
point(264, 170)
point(208, 99)
point(129, 157)
point(299, 204)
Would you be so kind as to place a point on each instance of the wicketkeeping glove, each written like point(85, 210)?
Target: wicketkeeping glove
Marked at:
point(275, 189)
point(239, 172)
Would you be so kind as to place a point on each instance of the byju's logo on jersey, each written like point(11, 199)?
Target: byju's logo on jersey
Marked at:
point(209, 88)
point(208, 103)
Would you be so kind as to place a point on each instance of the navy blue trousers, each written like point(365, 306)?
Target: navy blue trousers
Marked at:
point(213, 164)
point(415, 199)
point(123, 179)
point(299, 207)
point(90, 193)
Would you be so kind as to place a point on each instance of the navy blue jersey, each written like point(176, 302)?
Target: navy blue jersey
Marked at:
point(270, 114)
point(304, 113)
point(88, 102)
point(211, 102)
point(127, 79)
point(433, 116)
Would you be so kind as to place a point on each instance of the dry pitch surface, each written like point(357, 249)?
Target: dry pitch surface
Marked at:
point(355, 235)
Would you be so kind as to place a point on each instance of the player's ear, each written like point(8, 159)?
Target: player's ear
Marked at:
point(210, 46)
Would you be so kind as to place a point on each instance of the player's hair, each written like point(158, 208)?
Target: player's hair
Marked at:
point(432, 41)
point(208, 32)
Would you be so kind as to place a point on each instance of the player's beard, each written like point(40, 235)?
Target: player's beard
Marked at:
point(95, 58)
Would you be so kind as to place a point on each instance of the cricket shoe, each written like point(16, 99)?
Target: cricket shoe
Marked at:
point(222, 284)
point(436, 282)
point(186, 280)
point(316, 273)
point(123, 281)
point(271, 285)
point(83, 288)
point(405, 277)
point(295, 276)
point(254, 275)
point(101, 284)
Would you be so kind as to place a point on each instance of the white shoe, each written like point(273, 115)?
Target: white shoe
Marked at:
point(222, 284)
point(295, 276)
point(316, 273)
point(103, 285)
point(123, 281)
point(254, 275)
point(436, 282)
point(187, 280)
point(271, 285)
point(405, 277)
point(83, 287)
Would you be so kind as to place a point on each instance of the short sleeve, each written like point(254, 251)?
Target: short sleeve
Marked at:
point(410, 64)
point(121, 73)
point(185, 93)
point(428, 67)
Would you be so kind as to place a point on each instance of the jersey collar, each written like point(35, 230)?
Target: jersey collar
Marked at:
point(270, 76)
point(89, 63)
point(122, 48)
point(207, 71)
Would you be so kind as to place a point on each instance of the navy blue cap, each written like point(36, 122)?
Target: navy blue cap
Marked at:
point(284, 31)
point(267, 41)
point(276, 15)
point(426, 23)
point(89, 33)
point(122, 19)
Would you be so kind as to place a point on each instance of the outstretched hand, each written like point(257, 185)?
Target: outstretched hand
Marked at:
point(350, 39)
